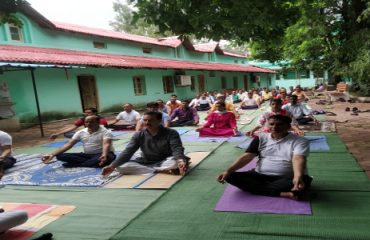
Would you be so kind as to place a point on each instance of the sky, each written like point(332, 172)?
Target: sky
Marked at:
point(92, 13)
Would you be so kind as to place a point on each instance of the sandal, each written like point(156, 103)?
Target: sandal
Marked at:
point(330, 114)
point(347, 109)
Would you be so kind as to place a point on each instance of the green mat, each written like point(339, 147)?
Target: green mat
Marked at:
point(99, 213)
point(340, 207)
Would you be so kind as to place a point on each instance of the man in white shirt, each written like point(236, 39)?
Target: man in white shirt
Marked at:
point(281, 167)
point(300, 112)
point(249, 102)
point(128, 116)
point(6, 159)
point(97, 145)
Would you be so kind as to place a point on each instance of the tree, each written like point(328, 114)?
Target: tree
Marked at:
point(315, 34)
point(8, 8)
point(124, 21)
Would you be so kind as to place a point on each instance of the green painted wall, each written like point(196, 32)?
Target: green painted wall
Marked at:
point(231, 60)
point(60, 95)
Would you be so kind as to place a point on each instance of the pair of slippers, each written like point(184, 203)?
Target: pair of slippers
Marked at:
point(355, 111)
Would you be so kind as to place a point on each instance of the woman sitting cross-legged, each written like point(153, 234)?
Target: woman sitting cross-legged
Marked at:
point(223, 122)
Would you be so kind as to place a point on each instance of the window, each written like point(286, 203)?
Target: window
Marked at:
point(235, 61)
point(147, 50)
point(223, 82)
point(192, 86)
point(139, 85)
point(243, 61)
point(235, 82)
point(212, 74)
point(211, 57)
point(15, 33)
point(304, 74)
point(167, 84)
point(100, 45)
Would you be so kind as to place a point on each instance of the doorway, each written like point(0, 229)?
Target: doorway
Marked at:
point(201, 84)
point(88, 92)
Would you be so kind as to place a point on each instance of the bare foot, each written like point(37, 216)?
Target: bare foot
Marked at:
point(289, 195)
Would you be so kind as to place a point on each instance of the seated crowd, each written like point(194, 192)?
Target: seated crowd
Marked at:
point(281, 167)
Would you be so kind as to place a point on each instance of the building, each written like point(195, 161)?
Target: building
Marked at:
point(56, 69)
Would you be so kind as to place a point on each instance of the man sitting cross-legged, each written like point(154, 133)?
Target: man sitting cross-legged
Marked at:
point(127, 119)
point(97, 144)
point(6, 159)
point(281, 167)
point(300, 112)
point(161, 150)
point(184, 115)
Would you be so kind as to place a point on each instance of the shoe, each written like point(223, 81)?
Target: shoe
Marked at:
point(347, 109)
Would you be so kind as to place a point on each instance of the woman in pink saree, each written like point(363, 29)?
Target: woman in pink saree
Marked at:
point(223, 122)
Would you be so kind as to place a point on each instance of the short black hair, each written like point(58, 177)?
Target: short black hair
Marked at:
point(221, 104)
point(281, 118)
point(187, 101)
point(276, 101)
point(152, 104)
point(294, 96)
point(157, 115)
point(174, 95)
point(93, 110)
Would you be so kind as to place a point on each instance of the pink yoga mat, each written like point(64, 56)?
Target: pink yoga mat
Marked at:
point(236, 200)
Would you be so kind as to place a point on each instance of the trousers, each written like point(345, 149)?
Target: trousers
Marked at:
point(84, 159)
point(261, 184)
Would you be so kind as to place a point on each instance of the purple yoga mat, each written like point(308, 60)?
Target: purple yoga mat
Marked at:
point(236, 200)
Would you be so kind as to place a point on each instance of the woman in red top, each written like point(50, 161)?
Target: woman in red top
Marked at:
point(223, 122)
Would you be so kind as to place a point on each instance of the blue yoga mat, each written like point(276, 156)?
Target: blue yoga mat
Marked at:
point(117, 133)
point(193, 136)
point(318, 143)
point(245, 144)
point(30, 171)
point(60, 144)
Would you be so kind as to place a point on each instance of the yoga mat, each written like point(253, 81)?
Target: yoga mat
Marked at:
point(245, 144)
point(60, 144)
point(193, 136)
point(181, 131)
point(39, 215)
point(165, 181)
point(238, 139)
point(156, 180)
point(118, 133)
point(246, 121)
point(236, 200)
point(318, 143)
point(29, 170)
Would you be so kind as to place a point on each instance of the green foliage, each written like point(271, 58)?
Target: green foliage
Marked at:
point(125, 21)
point(8, 8)
point(314, 34)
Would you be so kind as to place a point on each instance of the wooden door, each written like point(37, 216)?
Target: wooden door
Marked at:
point(245, 83)
point(201, 84)
point(88, 91)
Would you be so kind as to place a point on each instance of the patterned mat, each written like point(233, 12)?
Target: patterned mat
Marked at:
point(29, 170)
point(39, 215)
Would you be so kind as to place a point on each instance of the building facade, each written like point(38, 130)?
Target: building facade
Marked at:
point(60, 69)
